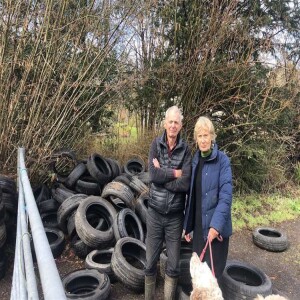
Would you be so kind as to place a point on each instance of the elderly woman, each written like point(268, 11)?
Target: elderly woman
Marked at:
point(208, 210)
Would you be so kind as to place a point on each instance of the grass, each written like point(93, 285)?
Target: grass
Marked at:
point(262, 210)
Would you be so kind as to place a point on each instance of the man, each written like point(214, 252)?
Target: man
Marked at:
point(170, 172)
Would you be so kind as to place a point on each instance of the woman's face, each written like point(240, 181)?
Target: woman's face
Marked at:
point(204, 139)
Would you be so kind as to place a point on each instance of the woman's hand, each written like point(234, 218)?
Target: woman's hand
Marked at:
point(188, 237)
point(212, 234)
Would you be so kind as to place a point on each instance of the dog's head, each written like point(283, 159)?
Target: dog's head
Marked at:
point(200, 272)
point(205, 285)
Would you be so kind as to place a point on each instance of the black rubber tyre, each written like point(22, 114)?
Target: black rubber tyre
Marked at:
point(134, 166)
point(99, 168)
point(2, 210)
point(119, 190)
point(141, 206)
point(41, 193)
point(87, 284)
point(48, 205)
point(79, 247)
point(10, 202)
point(184, 265)
point(56, 241)
point(117, 203)
point(124, 178)
point(76, 173)
point(88, 186)
point(61, 193)
point(3, 263)
point(115, 167)
point(67, 208)
point(183, 292)
point(128, 262)
point(138, 186)
point(144, 177)
point(101, 261)
point(244, 281)
point(270, 239)
point(7, 185)
point(95, 238)
point(3, 234)
point(49, 219)
point(127, 223)
point(62, 163)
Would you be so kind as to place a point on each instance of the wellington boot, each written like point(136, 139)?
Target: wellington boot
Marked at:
point(150, 282)
point(170, 287)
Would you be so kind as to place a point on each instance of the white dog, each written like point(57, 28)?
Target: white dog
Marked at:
point(271, 297)
point(205, 285)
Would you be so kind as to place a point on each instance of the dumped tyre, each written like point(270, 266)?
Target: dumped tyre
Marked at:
point(86, 284)
point(61, 193)
point(48, 205)
point(88, 185)
point(56, 241)
point(79, 247)
point(134, 166)
point(128, 262)
point(138, 186)
point(119, 190)
point(184, 265)
point(244, 281)
point(127, 223)
point(141, 206)
point(67, 208)
point(62, 163)
point(75, 174)
point(3, 263)
point(99, 168)
point(184, 292)
point(115, 167)
point(101, 209)
point(101, 261)
point(270, 239)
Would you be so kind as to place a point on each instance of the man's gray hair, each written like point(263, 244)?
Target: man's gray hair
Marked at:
point(174, 109)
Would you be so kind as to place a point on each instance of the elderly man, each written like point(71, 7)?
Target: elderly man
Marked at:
point(170, 173)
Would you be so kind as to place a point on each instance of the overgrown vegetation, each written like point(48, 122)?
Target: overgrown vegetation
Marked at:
point(68, 68)
point(264, 209)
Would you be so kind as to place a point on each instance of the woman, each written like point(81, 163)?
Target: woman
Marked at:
point(208, 210)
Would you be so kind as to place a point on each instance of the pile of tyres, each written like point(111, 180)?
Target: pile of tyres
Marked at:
point(8, 216)
point(99, 208)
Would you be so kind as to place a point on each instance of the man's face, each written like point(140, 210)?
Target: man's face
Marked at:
point(173, 124)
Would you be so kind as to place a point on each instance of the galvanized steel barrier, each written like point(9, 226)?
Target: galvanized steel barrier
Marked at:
point(24, 285)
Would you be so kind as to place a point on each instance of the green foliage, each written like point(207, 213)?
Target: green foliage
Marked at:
point(250, 211)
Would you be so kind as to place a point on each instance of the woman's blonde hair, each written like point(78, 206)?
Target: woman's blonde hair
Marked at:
point(205, 123)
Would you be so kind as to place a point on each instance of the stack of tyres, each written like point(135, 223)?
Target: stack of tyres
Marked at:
point(8, 212)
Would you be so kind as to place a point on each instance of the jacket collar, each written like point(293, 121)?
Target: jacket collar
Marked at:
point(163, 140)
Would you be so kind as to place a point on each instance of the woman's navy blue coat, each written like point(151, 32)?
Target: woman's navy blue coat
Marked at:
point(216, 195)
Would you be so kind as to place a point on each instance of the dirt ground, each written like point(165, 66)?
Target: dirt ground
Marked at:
point(283, 268)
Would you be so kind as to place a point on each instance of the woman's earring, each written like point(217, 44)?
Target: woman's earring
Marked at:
point(212, 146)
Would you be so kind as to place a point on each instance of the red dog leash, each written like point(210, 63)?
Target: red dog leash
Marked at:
point(220, 238)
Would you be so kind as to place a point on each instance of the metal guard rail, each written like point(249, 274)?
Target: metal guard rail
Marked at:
point(24, 284)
